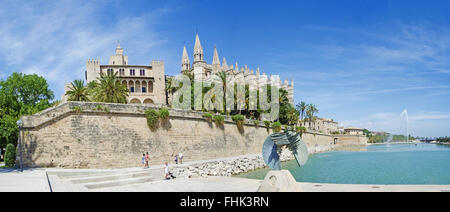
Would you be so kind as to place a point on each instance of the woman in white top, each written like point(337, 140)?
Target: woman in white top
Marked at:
point(180, 157)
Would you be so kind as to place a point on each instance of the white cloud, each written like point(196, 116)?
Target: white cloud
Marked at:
point(56, 38)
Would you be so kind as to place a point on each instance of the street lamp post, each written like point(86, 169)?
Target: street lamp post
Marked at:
point(19, 143)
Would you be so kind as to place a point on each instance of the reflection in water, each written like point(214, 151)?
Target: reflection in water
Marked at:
point(375, 164)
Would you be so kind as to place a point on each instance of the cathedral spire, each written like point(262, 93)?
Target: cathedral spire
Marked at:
point(216, 60)
point(185, 63)
point(224, 63)
point(198, 49)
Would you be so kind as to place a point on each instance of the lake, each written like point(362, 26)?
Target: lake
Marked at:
point(374, 164)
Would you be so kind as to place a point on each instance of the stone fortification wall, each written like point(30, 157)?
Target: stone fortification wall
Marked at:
point(102, 135)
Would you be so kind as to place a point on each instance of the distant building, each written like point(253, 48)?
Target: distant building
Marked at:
point(354, 131)
point(325, 125)
point(377, 133)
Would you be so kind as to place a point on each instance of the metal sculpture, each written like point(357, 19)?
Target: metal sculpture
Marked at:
point(275, 142)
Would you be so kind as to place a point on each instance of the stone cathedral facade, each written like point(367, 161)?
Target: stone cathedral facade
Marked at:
point(255, 79)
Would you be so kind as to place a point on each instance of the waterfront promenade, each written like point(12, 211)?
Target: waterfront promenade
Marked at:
point(138, 179)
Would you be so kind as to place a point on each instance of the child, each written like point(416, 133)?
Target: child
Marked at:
point(147, 158)
point(176, 159)
point(143, 159)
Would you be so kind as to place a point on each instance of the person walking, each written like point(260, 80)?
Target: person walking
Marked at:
point(147, 158)
point(143, 159)
point(180, 157)
point(167, 174)
point(176, 159)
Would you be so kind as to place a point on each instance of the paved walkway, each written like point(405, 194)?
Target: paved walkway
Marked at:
point(12, 180)
point(62, 180)
point(209, 184)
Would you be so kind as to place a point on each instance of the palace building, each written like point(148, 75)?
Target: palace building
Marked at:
point(146, 83)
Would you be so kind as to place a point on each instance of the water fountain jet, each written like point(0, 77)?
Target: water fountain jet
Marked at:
point(405, 114)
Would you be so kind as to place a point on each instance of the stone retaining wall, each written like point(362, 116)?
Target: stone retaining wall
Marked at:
point(102, 135)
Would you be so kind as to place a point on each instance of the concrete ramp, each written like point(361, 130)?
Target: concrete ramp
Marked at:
point(76, 180)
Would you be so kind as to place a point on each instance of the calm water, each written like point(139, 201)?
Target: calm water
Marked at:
point(376, 164)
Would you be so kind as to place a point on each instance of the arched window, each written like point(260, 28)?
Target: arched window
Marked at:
point(110, 71)
point(150, 87)
point(137, 86)
point(131, 86)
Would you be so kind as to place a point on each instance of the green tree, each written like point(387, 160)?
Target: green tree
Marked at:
point(311, 110)
point(109, 89)
point(292, 116)
point(78, 92)
point(10, 155)
point(301, 108)
point(223, 78)
point(20, 94)
point(171, 88)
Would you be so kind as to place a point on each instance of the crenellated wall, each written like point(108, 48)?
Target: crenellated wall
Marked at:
point(102, 135)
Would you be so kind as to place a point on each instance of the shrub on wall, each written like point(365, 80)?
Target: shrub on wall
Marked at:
point(10, 155)
point(256, 122)
point(77, 109)
point(208, 116)
point(300, 130)
point(152, 118)
point(267, 123)
point(164, 113)
point(239, 119)
point(276, 126)
point(219, 119)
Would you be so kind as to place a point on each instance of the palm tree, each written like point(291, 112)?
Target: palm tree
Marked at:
point(292, 115)
point(283, 97)
point(223, 77)
point(171, 88)
point(310, 111)
point(301, 107)
point(78, 92)
point(109, 89)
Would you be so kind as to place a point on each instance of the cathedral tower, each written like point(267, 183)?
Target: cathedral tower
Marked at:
point(185, 63)
point(198, 50)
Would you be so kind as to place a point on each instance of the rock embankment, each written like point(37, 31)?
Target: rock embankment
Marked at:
point(227, 167)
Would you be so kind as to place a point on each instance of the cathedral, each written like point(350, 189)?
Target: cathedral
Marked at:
point(254, 78)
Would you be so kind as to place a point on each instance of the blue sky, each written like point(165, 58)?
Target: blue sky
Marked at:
point(360, 62)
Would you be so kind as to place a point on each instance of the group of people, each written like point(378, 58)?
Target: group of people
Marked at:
point(179, 158)
point(145, 159)
point(167, 173)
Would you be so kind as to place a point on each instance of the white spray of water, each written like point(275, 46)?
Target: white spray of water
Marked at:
point(405, 114)
point(389, 138)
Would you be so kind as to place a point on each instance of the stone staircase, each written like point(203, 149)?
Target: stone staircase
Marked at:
point(91, 180)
